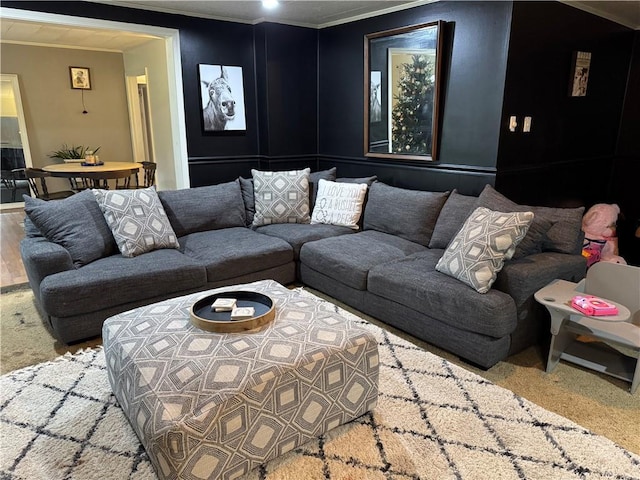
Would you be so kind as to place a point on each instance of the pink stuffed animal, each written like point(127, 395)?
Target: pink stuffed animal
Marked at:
point(600, 240)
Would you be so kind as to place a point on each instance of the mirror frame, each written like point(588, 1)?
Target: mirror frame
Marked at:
point(428, 156)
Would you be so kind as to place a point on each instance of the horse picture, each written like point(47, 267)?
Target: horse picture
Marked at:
point(222, 98)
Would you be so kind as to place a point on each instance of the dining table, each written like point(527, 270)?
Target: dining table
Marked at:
point(96, 176)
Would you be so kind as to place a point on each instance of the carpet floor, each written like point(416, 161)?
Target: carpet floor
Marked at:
point(597, 402)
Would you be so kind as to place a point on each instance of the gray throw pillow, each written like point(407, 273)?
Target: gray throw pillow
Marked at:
point(409, 214)
point(455, 211)
point(564, 235)
point(368, 180)
point(246, 187)
point(314, 179)
point(204, 208)
point(76, 223)
point(281, 197)
point(478, 251)
point(137, 220)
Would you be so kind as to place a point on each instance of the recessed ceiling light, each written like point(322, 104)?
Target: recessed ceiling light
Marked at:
point(270, 4)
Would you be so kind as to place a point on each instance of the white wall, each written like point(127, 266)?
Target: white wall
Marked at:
point(152, 59)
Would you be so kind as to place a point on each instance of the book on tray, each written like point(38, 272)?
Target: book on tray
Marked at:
point(224, 304)
point(240, 313)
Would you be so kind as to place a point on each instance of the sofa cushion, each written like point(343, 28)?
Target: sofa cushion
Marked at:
point(348, 258)
point(235, 251)
point(137, 220)
point(453, 214)
point(246, 187)
point(565, 234)
point(339, 203)
point(414, 282)
point(204, 208)
point(534, 239)
point(314, 180)
point(299, 234)
point(116, 280)
point(76, 223)
point(368, 180)
point(478, 251)
point(409, 214)
point(281, 197)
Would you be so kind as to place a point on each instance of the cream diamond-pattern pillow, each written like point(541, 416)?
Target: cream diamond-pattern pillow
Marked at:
point(137, 220)
point(478, 251)
point(281, 197)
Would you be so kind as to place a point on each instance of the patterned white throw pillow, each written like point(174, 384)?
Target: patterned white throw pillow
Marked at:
point(478, 251)
point(339, 203)
point(281, 197)
point(137, 220)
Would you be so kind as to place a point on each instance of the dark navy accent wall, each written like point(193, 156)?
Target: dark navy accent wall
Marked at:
point(289, 73)
point(475, 53)
point(625, 183)
point(568, 155)
point(304, 98)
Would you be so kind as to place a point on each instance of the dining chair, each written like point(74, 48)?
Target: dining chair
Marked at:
point(14, 180)
point(122, 179)
point(38, 183)
point(148, 176)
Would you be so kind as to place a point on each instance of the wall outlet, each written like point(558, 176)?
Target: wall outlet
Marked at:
point(526, 127)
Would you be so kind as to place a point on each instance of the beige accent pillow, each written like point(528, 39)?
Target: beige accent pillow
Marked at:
point(339, 203)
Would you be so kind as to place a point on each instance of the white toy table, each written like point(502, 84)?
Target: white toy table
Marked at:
point(567, 324)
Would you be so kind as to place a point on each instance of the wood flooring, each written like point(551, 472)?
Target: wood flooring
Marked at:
point(11, 232)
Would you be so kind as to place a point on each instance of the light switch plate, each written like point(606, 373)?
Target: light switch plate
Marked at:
point(526, 127)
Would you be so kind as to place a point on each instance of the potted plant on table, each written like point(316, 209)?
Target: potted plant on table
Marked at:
point(73, 153)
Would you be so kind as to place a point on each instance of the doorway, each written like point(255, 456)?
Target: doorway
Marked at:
point(14, 143)
point(163, 57)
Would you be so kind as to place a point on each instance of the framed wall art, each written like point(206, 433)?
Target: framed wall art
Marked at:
point(80, 78)
point(222, 98)
point(580, 73)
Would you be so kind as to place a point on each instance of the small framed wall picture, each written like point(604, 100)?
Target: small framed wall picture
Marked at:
point(580, 66)
point(80, 78)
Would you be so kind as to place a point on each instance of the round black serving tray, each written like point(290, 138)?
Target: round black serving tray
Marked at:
point(97, 164)
point(206, 318)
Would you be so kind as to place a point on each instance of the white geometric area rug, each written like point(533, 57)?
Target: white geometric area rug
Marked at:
point(434, 420)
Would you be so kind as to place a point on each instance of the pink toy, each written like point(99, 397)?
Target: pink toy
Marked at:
point(600, 240)
point(594, 306)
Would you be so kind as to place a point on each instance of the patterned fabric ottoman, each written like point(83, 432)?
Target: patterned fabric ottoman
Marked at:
point(209, 405)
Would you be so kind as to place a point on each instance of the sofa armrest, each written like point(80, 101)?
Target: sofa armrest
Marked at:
point(42, 258)
point(523, 277)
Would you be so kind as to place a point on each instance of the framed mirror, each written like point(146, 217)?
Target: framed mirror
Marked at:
point(402, 90)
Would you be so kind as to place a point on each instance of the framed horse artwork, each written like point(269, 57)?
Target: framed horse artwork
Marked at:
point(222, 98)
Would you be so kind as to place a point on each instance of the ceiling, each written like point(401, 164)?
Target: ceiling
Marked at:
point(319, 14)
point(307, 13)
point(314, 14)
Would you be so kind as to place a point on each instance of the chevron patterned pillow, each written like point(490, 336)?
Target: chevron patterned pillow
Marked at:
point(137, 220)
point(478, 251)
point(281, 197)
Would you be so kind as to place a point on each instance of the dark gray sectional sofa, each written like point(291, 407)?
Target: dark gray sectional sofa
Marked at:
point(387, 269)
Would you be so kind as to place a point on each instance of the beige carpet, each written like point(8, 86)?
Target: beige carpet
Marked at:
point(597, 402)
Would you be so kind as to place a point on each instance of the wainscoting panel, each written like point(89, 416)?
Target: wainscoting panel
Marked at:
point(214, 170)
point(468, 181)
